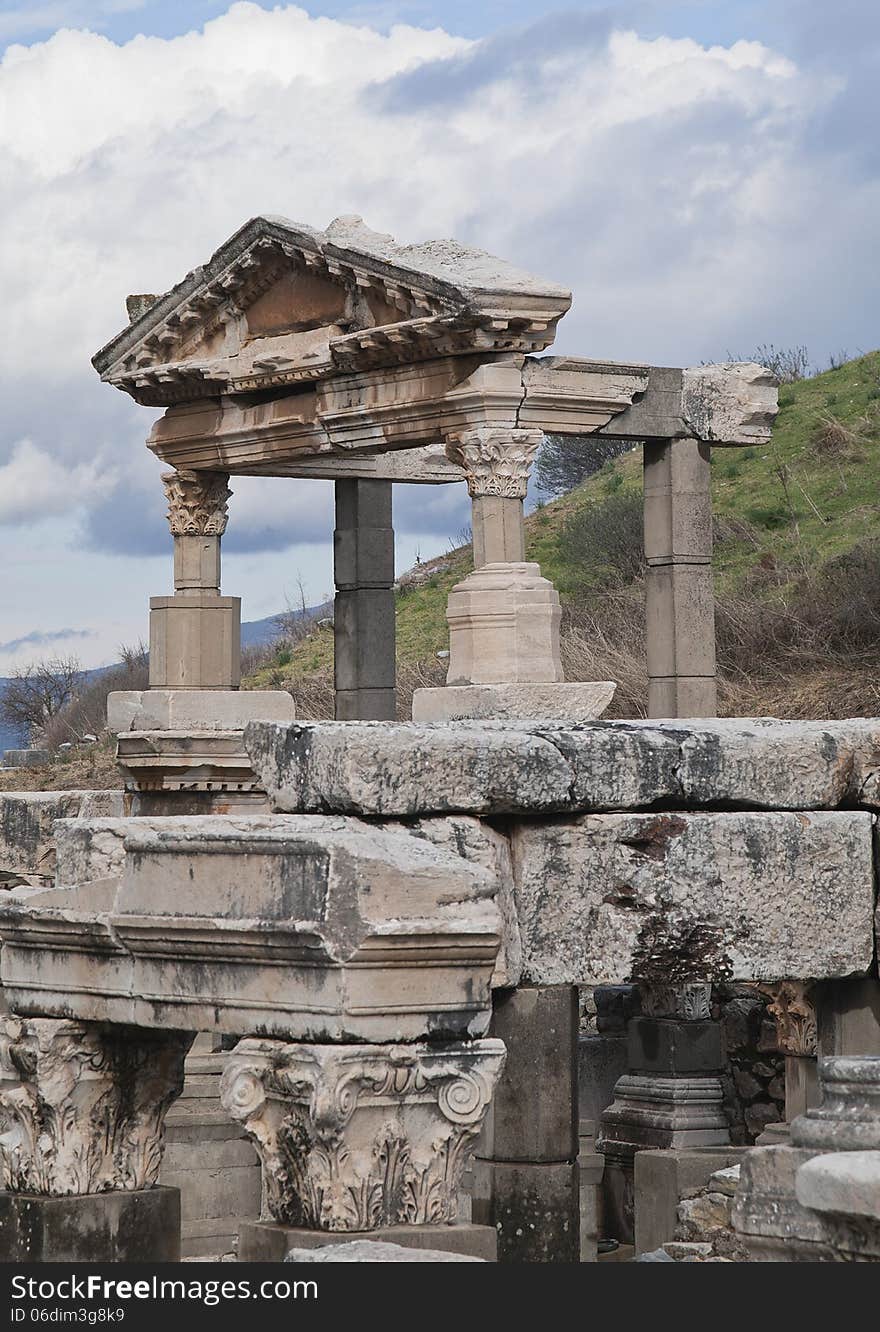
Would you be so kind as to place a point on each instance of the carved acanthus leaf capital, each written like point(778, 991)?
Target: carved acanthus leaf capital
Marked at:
point(792, 1009)
point(82, 1106)
point(356, 1137)
point(197, 502)
point(688, 1002)
point(496, 461)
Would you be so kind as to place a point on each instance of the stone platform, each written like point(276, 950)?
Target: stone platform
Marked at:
point(268, 1242)
point(116, 1227)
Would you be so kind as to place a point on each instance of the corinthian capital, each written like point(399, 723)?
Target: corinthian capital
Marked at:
point(82, 1107)
point(496, 461)
point(792, 1009)
point(353, 1137)
point(197, 502)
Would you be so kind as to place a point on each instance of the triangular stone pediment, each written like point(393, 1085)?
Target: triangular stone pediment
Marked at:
point(281, 304)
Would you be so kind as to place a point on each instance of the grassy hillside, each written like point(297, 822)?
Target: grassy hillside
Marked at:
point(797, 563)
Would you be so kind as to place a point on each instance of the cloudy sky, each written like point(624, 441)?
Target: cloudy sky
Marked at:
point(705, 176)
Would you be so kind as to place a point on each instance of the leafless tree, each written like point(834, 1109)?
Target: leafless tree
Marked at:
point(35, 693)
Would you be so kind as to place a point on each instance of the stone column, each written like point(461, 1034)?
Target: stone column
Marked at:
point(792, 1008)
point(526, 1172)
point(848, 1016)
point(679, 596)
point(361, 1140)
point(671, 1095)
point(496, 463)
point(195, 636)
point(504, 655)
point(364, 634)
point(82, 1109)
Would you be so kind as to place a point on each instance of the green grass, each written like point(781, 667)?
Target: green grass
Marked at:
point(790, 506)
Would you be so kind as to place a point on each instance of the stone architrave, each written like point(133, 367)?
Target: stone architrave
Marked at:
point(82, 1106)
point(301, 928)
point(356, 1137)
point(195, 636)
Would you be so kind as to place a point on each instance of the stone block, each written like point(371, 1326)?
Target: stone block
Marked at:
point(480, 844)
point(533, 1208)
point(534, 1113)
point(841, 1182)
point(667, 1045)
point(142, 1226)
point(529, 766)
point(378, 934)
point(195, 642)
point(504, 627)
point(268, 1242)
point(27, 823)
point(577, 701)
point(663, 1179)
point(403, 771)
point(743, 896)
point(195, 709)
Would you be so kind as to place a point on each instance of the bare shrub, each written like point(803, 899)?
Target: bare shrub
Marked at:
point(603, 542)
point(565, 461)
point(85, 713)
point(35, 694)
point(788, 364)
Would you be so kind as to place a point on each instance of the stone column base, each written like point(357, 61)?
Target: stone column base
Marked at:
point(532, 1206)
point(116, 1227)
point(577, 701)
point(270, 1242)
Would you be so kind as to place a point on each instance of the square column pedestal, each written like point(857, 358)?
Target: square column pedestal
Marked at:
point(182, 750)
point(361, 1141)
point(504, 658)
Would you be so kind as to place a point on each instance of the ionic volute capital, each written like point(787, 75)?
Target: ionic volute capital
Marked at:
point(197, 502)
point(495, 460)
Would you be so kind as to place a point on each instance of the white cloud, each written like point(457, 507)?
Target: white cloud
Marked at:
point(21, 20)
point(674, 187)
point(35, 486)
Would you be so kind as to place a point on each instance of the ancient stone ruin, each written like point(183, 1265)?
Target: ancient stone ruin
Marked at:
point(467, 984)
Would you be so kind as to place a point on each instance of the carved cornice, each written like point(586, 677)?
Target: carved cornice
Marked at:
point(357, 1137)
point(197, 502)
point(82, 1106)
point(495, 461)
point(792, 1009)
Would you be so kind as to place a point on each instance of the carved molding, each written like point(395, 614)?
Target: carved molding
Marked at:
point(82, 1106)
point(495, 461)
point(792, 1009)
point(197, 502)
point(689, 1003)
point(353, 1137)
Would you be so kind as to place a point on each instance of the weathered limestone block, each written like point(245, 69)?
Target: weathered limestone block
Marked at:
point(375, 1251)
point(731, 403)
point(27, 818)
point(354, 1137)
point(685, 897)
point(304, 928)
point(847, 1183)
point(575, 701)
point(82, 1106)
point(481, 766)
point(406, 770)
point(481, 845)
point(195, 709)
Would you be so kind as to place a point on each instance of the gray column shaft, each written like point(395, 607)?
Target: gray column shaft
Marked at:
point(679, 594)
point(363, 551)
